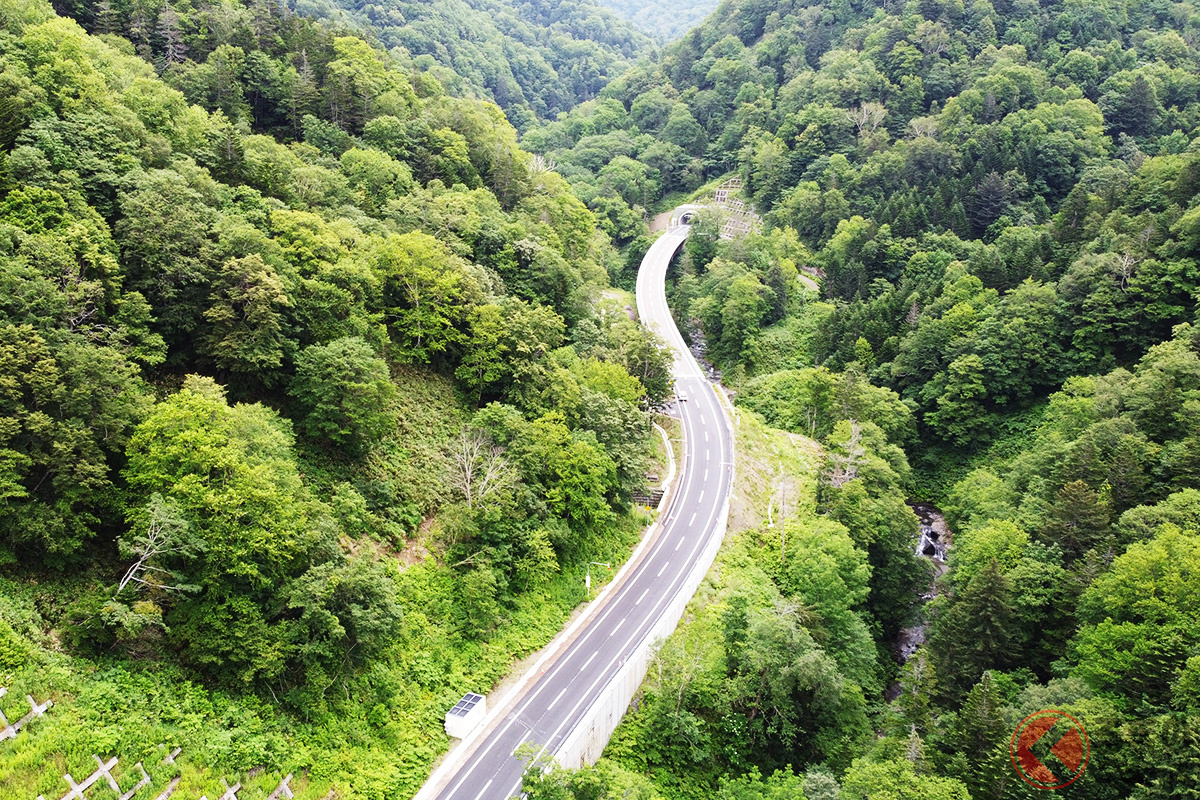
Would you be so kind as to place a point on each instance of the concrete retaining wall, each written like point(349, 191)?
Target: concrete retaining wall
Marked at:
point(588, 739)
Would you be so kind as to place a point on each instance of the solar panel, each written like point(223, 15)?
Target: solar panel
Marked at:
point(464, 706)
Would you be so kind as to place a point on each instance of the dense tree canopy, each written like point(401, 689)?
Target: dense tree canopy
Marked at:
point(534, 60)
point(999, 204)
point(313, 397)
point(309, 386)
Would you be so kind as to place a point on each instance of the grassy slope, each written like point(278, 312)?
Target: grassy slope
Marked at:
point(768, 461)
point(380, 733)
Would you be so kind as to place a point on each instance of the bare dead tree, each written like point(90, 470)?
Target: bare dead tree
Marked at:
point(795, 614)
point(914, 751)
point(540, 164)
point(867, 117)
point(174, 47)
point(1125, 266)
point(914, 315)
point(923, 126)
point(844, 466)
point(166, 534)
point(478, 467)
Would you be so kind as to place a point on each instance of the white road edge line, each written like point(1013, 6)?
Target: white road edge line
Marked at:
point(650, 621)
point(562, 656)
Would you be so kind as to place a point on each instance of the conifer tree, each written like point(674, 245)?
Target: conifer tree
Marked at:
point(989, 202)
point(174, 48)
point(918, 683)
point(1134, 111)
point(975, 633)
point(1078, 519)
point(979, 735)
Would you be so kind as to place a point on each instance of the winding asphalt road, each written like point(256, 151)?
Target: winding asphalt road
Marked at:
point(556, 701)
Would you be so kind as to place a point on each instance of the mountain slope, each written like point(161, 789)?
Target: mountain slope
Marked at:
point(1002, 201)
point(665, 23)
point(310, 404)
point(534, 59)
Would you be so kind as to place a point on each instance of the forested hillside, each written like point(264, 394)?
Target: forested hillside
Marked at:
point(663, 22)
point(534, 59)
point(1003, 204)
point(310, 401)
point(314, 402)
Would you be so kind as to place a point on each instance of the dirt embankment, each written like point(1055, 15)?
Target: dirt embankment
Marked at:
point(660, 222)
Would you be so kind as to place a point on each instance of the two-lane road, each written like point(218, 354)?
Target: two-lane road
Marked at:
point(557, 700)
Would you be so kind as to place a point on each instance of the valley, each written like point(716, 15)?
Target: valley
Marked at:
point(320, 398)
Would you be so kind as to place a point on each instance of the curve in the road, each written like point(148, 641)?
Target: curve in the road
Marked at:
point(564, 706)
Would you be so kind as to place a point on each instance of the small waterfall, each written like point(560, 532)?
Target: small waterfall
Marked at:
point(933, 543)
point(935, 536)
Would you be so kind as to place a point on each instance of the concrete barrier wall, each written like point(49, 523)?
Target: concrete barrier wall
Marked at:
point(461, 751)
point(587, 741)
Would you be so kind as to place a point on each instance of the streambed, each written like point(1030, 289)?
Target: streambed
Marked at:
point(933, 543)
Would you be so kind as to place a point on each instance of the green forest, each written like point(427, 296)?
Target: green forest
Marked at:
point(313, 400)
point(319, 385)
point(662, 23)
point(1002, 203)
point(534, 59)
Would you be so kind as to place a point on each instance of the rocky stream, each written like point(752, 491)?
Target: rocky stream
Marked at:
point(934, 542)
